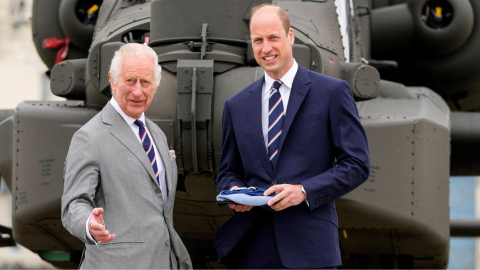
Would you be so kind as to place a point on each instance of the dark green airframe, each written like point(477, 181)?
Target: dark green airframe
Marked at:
point(420, 117)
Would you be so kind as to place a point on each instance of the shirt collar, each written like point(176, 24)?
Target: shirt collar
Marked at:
point(287, 79)
point(127, 118)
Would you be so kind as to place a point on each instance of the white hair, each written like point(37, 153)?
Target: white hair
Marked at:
point(134, 50)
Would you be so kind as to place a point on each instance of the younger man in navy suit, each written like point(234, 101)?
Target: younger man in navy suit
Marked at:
point(297, 133)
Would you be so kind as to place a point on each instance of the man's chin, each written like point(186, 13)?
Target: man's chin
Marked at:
point(134, 113)
point(269, 67)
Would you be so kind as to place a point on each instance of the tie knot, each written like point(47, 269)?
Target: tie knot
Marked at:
point(138, 123)
point(276, 85)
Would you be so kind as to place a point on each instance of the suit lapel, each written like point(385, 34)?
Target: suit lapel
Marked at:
point(120, 130)
point(297, 95)
point(254, 116)
point(162, 148)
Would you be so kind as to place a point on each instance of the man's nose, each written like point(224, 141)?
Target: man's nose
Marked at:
point(137, 89)
point(266, 47)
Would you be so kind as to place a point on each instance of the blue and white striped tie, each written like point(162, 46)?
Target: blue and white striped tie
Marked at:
point(275, 121)
point(148, 147)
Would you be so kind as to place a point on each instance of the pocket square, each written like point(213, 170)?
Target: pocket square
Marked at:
point(171, 154)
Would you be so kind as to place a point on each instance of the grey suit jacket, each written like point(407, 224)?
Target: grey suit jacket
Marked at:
point(107, 167)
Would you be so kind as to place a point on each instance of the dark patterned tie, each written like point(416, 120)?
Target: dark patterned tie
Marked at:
point(148, 146)
point(275, 121)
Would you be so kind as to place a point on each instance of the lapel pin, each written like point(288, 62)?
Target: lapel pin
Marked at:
point(171, 154)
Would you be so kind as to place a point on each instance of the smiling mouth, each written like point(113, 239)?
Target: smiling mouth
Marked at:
point(136, 102)
point(269, 58)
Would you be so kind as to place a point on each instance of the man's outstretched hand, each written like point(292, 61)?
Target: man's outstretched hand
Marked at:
point(96, 227)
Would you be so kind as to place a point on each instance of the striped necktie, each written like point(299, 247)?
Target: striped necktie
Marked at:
point(148, 146)
point(275, 121)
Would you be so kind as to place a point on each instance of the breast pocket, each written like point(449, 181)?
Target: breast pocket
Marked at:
point(305, 119)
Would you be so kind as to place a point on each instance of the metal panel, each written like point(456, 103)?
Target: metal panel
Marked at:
point(42, 135)
point(391, 161)
point(224, 18)
point(195, 89)
point(404, 201)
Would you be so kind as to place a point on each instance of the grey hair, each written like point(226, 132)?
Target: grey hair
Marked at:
point(135, 50)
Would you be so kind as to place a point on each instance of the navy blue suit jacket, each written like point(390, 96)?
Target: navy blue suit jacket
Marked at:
point(323, 147)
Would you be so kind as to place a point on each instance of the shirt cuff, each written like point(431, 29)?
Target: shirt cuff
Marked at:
point(306, 197)
point(89, 235)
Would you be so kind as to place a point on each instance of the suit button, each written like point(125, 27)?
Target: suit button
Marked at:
point(157, 190)
point(167, 243)
point(318, 202)
point(274, 182)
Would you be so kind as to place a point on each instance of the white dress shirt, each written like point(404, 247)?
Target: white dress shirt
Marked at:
point(135, 129)
point(285, 89)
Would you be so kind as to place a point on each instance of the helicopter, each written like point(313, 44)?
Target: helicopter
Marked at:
point(410, 65)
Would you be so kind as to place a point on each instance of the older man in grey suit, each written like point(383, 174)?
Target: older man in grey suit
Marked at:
point(120, 175)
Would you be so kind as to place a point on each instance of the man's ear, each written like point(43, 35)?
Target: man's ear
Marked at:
point(291, 36)
point(156, 86)
point(112, 85)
